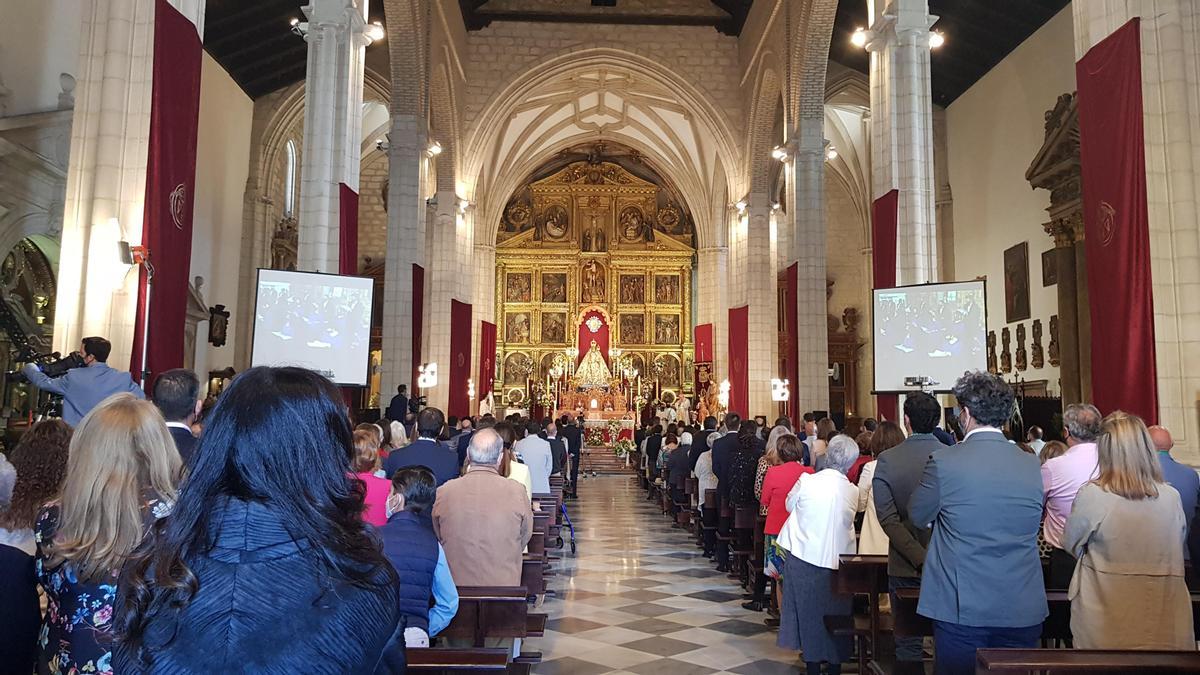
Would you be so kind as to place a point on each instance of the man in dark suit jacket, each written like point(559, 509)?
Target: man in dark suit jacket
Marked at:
point(177, 395)
point(398, 407)
point(653, 446)
point(897, 475)
point(722, 457)
point(982, 580)
point(573, 435)
point(463, 439)
point(426, 451)
point(700, 442)
point(558, 449)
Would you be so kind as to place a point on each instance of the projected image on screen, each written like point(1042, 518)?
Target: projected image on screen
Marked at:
point(317, 321)
point(934, 331)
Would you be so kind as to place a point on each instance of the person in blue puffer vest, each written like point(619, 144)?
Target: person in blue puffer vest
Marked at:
point(412, 547)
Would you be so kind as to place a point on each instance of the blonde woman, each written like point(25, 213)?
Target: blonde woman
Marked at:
point(121, 471)
point(1127, 530)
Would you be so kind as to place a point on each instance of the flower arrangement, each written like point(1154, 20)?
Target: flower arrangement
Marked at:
point(623, 447)
point(593, 437)
point(614, 429)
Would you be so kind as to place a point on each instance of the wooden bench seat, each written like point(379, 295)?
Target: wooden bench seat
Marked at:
point(443, 660)
point(1084, 661)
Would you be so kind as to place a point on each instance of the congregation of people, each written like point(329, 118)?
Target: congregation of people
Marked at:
point(983, 523)
point(165, 536)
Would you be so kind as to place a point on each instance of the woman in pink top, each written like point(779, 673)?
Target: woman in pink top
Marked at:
point(778, 481)
point(365, 465)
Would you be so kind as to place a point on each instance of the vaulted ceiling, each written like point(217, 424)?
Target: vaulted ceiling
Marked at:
point(252, 39)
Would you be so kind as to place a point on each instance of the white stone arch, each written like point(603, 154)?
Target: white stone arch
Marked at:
point(598, 94)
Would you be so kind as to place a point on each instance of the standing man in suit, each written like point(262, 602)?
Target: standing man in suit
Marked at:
point(700, 443)
point(177, 395)
point(398, 407)
point(653, 447)
point(722, 457)
point(83, 388)
point(535, 453)
point(982, 580)
point(1184, 479)
point(897, 475)
point(574, 437)
point(463, 439)
point(558, 449)
point(426, 451)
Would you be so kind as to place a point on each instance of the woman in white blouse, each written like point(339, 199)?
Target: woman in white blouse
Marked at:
point(872, 540)
point(819, 528)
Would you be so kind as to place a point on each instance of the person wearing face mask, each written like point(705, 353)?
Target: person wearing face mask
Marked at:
point(413, 549)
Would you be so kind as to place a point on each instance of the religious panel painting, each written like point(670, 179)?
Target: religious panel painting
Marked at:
point(592, 282)
point(666, 329)
point(517, 367)
point(518, 287)
point(632, 224)
point(666, 289)
point(554, 222)
point(1049, 267)
point(554, 327)
point(633, 329)
point(554, 287)
point(1016, 283)
point(666, 369)
point(633, 289)
point(516, 327)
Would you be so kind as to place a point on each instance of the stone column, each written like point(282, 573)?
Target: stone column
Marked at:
point(441, 286)
point(761, 296)
point(1170, 50)
point(713, 305)
point(332, 125)
point(902, 131)
point(106, 175)
point(1072, 359)
point(405, 248)
point(806, 206)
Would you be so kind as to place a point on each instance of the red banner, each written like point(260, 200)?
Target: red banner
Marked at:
point(487, 359)
point(170, 187)
point(883, 266)
point(1116, 225)
point(586, 334)
point(739, 356)
point(347, 230)
point(459, 403)
point(418, 321)
point(704, 343)
point(791, 357)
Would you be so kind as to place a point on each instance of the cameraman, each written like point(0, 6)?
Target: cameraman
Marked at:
point(83, 388)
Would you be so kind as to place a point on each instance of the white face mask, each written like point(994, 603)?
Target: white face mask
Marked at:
point(394, 505)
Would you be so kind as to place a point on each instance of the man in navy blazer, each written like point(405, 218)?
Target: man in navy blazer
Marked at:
point(83, 388)
point(426, 451)
point(1184, 479)
point(177, 395)
point(982, 580)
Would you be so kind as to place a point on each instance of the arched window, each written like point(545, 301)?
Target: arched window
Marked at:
point(289, 180)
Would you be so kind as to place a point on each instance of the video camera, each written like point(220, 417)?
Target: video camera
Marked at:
point(53, 364)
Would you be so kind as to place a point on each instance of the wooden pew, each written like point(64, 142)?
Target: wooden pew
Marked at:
point(744, 520)
point(1084, 661)
point(905, 620)
point(489, 613)
point(448, 661)
point(861, 575)
point(708, 519)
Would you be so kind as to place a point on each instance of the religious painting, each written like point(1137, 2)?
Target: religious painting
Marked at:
point(517, 368)
point(554, 222)
point(1016, 283)
point(666, 329)
point(633, 224)
point(666, 289)
point(591, 285)
point(633, 289)
point(666, 369)
point(518, 287)
point(1049, 267)
point(554, 287)
point(633, 329)
point(516, 327)
point(554, 327)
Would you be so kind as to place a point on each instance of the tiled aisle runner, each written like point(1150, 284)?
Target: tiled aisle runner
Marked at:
point(639, 597)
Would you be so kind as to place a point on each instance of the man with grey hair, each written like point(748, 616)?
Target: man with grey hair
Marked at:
point(483, 519)
point(982, 579)
point(1061, 479)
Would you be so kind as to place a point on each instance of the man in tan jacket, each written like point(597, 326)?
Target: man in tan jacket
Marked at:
point(483, 519)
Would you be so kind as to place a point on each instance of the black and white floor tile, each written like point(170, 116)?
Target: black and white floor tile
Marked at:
point(638, 597)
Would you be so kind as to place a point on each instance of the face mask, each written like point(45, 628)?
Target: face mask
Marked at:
point(393, 506)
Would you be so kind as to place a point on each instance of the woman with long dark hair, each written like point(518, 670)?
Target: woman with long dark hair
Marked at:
point(743, 465)
point(265, 564)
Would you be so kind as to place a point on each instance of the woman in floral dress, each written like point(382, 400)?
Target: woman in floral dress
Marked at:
point(121, 475)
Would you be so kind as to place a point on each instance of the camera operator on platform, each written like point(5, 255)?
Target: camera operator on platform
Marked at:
point(85, 387)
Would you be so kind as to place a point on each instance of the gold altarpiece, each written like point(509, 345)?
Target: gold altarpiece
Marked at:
point(592, 250)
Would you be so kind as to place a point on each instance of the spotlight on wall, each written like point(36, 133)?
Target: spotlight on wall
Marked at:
point(776, 206)
point(831, 153)
point(463, 205)
point(936, 39)
point(780, 153)
point(740, 205)
point(299, 27)
point(434, 149)
point(382, 145)
point(374, 31)
point(859, 37)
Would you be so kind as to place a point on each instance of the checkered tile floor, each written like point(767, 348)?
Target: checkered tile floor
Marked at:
point(640, 598)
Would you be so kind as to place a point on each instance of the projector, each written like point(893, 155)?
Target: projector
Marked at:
point(919, 381)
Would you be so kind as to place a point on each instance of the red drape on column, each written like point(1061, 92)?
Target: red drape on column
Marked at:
point(1116, 225)
point(739, 355)
point(487, 359)
point(460, 359)
point(347, 230)
point(791, 357)
point(170, 187)
point(418, 322)
point(884, 216)
point(585, 335)
point(704, 343)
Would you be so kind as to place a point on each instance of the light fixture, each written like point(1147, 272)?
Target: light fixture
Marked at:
point(434, 149)
point(740, 205)
point(382, 145)
point(374, 31)
point(936, 39)
point(470, 389)
point(463, 205)
point(776, 206)
point(299, 27)
point(780, 153)
point(779, 390)
point(831, 153)
point(427, 375)
point(859, 37)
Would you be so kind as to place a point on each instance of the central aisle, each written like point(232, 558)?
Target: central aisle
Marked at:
point(639, 597)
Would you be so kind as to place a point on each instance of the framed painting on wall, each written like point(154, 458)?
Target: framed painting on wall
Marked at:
point(1016, 283)
point(633, 289)
point(518, 287)
point(554, 287)
point(633, 329)
point(516, 327)
point(1049, 267)
point(666, 289)
point(554, 327)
